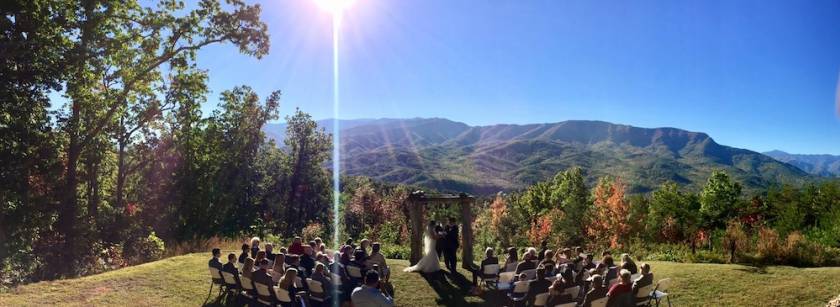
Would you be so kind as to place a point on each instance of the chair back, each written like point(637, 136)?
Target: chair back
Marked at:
point(612, 282)
point(215, 275)
point(644, 292)
point(541, 299)
point(354, 271)
point(521, 286)
point(567, 305)
point(314, 286)
point(531, 274)
point(229, 278)
point(336, 279)
point(573, 291)
point(663, 284)
point(635, 276)
point(246, 282)
point(298, 282)
point(601, 302)
point(491, 270)
point(506, 277)
point(282, 295)
point(262, 289)
point(510, 267)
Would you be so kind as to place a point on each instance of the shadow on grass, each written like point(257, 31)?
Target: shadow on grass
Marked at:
point(753, 269)
point(453, 289)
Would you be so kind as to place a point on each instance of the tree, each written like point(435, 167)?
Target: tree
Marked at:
point(573, 195)
point(118, 51)
point(307, 187)
point(719, 200)
point(608, 224)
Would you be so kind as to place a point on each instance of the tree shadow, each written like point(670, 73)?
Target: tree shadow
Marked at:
point(453, 289)
point(753, 269)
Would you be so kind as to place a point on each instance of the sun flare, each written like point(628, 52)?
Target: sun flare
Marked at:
point(334, 6)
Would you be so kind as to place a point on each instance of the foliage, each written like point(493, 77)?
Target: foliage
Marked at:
point(608, 225)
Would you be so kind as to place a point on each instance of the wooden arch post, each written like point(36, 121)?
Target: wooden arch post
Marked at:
point(416, 203)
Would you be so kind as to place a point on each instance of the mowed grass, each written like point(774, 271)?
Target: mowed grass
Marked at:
point(184, 280)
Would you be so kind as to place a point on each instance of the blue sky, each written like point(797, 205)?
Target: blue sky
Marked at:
point(760, 75)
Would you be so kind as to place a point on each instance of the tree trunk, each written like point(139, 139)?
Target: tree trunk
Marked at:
point(121, 171)
point(732, 251)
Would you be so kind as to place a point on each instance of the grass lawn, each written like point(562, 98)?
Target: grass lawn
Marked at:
point(183, 281)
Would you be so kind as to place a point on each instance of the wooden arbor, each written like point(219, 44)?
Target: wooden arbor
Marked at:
point(416, 203)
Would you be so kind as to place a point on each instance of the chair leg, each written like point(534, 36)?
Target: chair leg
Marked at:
point(669, 300)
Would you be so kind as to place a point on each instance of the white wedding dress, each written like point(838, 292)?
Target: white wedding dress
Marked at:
point(429, 263)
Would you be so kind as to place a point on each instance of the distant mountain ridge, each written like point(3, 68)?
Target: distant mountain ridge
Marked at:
point(820, 165)
point(449, 155)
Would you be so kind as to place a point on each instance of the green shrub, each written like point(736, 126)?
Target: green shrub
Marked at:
point(144, 249)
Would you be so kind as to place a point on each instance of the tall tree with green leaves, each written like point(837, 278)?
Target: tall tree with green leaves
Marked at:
point(573, 195)
point(719, 200)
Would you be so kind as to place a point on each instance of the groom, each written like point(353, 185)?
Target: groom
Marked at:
point(450, 245)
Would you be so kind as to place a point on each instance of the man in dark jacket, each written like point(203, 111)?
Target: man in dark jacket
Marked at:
point(261, 276)
point(214, 262)
point(537, 286)
point(451, 249)
point(646, 279)
point(598, 290)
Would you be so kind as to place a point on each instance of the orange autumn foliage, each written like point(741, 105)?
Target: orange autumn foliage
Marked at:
point(608, 223)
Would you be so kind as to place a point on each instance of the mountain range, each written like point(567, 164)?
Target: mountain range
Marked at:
point(820, 165)
point(452, 156)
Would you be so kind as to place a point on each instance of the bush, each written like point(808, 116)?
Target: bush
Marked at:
point(144, 249)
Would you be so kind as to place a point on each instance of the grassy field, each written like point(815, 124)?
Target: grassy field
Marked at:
point(183, 281)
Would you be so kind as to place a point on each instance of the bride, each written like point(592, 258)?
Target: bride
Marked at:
point(429, 263)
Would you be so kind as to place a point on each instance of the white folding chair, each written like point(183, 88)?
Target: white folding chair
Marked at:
point(505, 280)
point(531, 274)
point(336, 279)
point(316, 290)
point(567, 305)
point(643, 296)
point(659, 292)
point(541, 299)
point(263, 294)
point(489, 274)
point(635, 276)
point(601, 302)
point(510, 267)
point(354, 271)
point(520, 291)
point(573, 291)
point(215, 279)
point(282, 295)
point(230, 282)
point(246, 285)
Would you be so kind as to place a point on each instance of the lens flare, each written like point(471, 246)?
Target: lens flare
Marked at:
point(334, 6)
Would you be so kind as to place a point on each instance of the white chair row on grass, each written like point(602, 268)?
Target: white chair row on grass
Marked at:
point(269, 295)
point(503, 281)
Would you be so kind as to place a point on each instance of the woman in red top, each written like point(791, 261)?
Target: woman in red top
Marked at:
point(297, 247)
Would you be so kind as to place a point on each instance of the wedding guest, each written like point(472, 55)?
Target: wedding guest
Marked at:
point(279, 268)
point(255, 246)
point(248, 267)
point(557, 294)
point(230, 266)
point(287, 282)
point(538, 286)
point(548, 262)
point(370, 294)
point(260, 257)
point(320, 274)
point(245, 250)
point(261, 276)
point(214, 262)
point(376, 258)
point(645, 279)
point(543, 250)
point(528, 262)
point(627, 263)
point(621, 294)
point(307, 261)
point(297, 247)
point(269, 252)
point(597, 291)
point(512, 258)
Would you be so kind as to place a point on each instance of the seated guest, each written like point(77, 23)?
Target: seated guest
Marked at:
point(245, 250)
point(376, 258)
point(627, 263)
point(345, 257)
point(359, 259)
point(279, 268)
point(564, 256)
point(230, 266)
point(320, 274)
point(318, 241)
point(548, 262)
point(261, 276)
point(644, 280)
point(557, 295)
point(297, 247)
point(538, 286)
point(543, 250)
point(214, 262)
point(307, 260)
point(323, 249)
point(611, 271)
point(283, 250)
point(269, 252)
point(527, 263)
point(248, 268)
point(370, 294)
point(512, 258)
point(322, 258)
point(350, 243)
point(567, 273)
point(621, 294)
point(363, 246)
point(489, 258)
point(313, 245)
point(287, 282)
point(260, 257)
point(597, 291)
point(255, 247)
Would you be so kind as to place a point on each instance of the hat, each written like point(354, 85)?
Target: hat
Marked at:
point(596, 278)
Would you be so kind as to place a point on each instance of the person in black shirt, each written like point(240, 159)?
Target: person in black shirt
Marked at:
point(244, 255)
point(543, 249)
point(214, 262)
